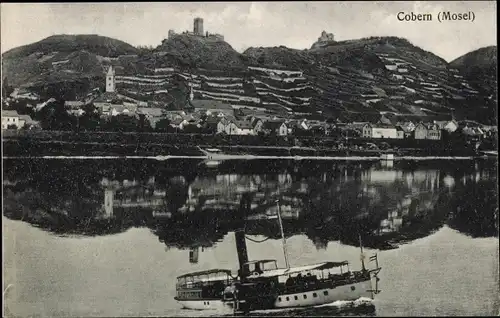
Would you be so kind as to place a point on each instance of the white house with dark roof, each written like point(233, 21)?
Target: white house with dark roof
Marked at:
point(10, 118)
point(245, 128)
point(379, 131)
point(427, 131)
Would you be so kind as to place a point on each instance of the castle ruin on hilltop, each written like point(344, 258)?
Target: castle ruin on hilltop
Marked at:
point(197, 32)
point(323, 40)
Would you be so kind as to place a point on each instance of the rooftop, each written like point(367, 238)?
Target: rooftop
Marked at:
point(212, 120)
point(381, 125)
point(106, 97)
point(73, 103)
point(150, 111)
point(272, 124)
point(26, 118)
point(9, 113)
point(244, 124)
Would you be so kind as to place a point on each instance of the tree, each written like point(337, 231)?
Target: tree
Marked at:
point(163, 125)
point(6, 88)
point(122, 123)
point(301, 132)
point(55, 117)
point(143, 124)
point(90, 121)
point(192, 129)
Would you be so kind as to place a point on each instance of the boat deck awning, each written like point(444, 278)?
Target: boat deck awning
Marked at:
point(292, 270)
point(207, 272)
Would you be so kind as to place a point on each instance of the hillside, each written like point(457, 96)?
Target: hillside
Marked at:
point(61, 59)
point(360, 79)
point(484, 59)
point(96, 44)
point(479, 67)
point(195, 52)
point(355, 80)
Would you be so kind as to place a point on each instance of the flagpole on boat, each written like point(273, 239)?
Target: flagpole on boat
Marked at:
point(282, 235)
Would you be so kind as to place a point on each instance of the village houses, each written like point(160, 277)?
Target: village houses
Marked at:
point(379, 131)
point(448, 125)
point(217, 117)
point(11, 119)
point(427, 131)
point(209, 107)
point(275, 127)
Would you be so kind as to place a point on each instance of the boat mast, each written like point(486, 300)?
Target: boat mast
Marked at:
point(362, 256)
point(282, 235)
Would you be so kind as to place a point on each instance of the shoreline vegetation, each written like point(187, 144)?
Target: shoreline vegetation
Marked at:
point(118, 144)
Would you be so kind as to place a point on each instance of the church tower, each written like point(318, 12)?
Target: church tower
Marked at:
point(110, 80)
point(109, 195)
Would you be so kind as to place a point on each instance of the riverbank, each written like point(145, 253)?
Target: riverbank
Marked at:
point(164, 152)
point(47, 143)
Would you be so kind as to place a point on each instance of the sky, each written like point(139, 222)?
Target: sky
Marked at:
point(246, 24)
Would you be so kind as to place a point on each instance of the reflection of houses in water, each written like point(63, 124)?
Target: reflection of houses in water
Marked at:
point(131, 194)
point(394, 220)
point(387, 163)
point(411, 206)
point(380, 176)
point(477, 175)
point(224, 192)
point(288, 211)
point(427, 180)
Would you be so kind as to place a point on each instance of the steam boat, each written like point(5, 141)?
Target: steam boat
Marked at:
point(261, 284)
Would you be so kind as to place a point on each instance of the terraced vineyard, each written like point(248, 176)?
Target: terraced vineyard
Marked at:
point(350, 80)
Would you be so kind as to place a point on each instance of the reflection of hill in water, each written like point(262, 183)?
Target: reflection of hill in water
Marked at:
point(188, 205)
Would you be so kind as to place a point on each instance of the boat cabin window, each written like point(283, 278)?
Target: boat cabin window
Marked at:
point(196, 280)
point(260, 266)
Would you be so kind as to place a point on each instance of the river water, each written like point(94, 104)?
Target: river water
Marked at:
point(108, 237)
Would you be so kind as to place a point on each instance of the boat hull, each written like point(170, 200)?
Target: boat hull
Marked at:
point(201, 304)
point(348, 292)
